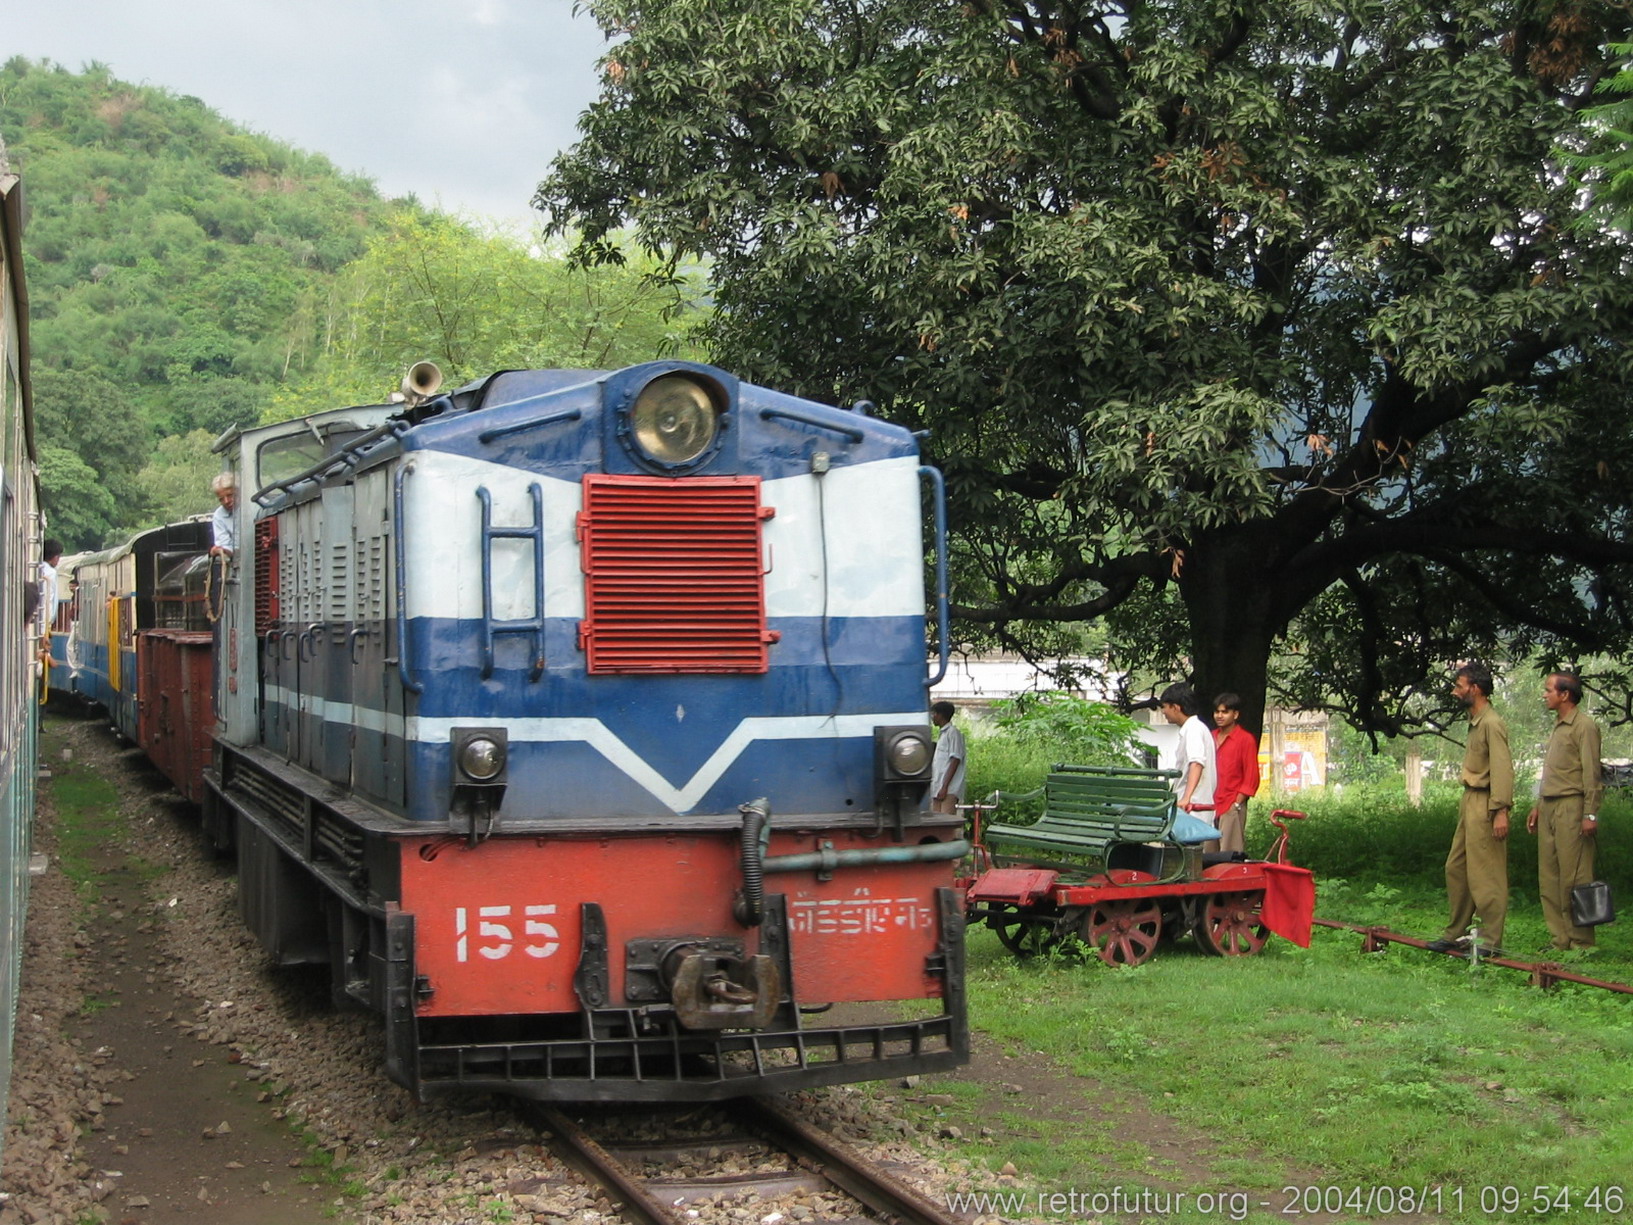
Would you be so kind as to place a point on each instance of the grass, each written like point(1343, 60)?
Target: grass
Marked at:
point(1320, 1065)
point(88, 818)
point(1323, 1067)
point(93, 1004)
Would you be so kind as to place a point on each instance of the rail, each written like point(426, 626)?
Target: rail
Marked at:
point(817, 1161)
point(1543, 973)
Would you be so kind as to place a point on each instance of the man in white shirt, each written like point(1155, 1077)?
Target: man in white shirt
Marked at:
point(1195, 758)
point(51, 553)
point(947, 768)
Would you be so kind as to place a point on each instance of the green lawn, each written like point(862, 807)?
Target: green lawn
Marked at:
point(1402, 1075)
point(1323, 1067)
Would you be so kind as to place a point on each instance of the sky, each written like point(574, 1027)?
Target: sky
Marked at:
point(461, 102)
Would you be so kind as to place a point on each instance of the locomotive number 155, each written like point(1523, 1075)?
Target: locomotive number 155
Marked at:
point(496, 939)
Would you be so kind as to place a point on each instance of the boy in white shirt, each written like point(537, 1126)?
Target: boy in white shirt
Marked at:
point(1195, 760)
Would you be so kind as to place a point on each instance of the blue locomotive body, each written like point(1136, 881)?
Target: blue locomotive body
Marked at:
point(762, 667)
point(577, 721)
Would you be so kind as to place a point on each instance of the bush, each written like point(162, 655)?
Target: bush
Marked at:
point(1373, 834)
point(1029, 734)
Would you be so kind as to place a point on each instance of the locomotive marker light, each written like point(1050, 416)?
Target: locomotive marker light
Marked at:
point(481, 759)
point(901, 767)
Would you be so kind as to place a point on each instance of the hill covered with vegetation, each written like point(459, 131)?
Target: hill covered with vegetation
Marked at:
point(186, 274)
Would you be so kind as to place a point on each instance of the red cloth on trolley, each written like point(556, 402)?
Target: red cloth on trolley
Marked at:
point(1289, 902)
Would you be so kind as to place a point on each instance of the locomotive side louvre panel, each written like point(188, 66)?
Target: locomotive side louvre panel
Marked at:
point(268, 575)
point(331, 649)
point(338, 584)
point(278, 647)
point(380, 752)
point(308, 663)
point(271, 642)
point(673, 575)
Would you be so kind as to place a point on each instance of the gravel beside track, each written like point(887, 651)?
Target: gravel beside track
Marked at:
point(371, 1153)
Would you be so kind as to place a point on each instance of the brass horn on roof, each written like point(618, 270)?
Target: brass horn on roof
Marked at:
point(421, 382)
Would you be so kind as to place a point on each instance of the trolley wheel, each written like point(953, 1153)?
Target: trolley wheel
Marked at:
point(1022, 936)
point(1229, 924)
point(1124, 933)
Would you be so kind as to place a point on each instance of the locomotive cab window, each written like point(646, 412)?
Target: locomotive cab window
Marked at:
point(282, 458)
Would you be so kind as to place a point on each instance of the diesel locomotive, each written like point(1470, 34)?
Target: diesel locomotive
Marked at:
point(575, 720)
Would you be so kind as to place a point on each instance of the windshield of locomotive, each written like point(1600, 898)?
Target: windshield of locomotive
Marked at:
point(282, 458)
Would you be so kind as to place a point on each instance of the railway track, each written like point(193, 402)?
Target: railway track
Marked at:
point(790, 1158)
point(1543, 973)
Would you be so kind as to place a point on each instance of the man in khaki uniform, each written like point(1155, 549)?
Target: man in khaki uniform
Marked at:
point(1477, 867)
point(1566, 817)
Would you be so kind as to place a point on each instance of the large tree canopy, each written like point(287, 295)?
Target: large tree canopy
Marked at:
point(1607, 157)
point(436, 289)
point(1262, 328)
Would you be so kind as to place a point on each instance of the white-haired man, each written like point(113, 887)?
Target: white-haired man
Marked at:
point(223, 524)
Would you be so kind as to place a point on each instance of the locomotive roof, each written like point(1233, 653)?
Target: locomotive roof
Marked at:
point(517, 418)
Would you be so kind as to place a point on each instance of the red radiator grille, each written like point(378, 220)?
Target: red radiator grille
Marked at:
point(674, 576)
point(266, 575)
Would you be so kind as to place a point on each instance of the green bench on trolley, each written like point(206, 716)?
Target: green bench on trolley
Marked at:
point(1117, 818)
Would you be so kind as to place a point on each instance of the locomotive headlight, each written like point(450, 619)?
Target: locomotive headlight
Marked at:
point(480, 755)
point(902, 755)
point(482, 759)
point(909, 755)
point(674, 419)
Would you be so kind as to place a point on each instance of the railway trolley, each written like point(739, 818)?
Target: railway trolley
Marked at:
point(1110, 862)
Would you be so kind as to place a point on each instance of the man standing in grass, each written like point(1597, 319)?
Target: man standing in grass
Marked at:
point(947, 768)
point(1195, 756)
point(1565, 818)
point(1237, 756)
point(1477, 867)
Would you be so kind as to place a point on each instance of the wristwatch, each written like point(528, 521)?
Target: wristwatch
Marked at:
point(1591, 817)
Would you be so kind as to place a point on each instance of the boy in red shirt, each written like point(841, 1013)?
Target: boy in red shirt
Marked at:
point(1237, 754)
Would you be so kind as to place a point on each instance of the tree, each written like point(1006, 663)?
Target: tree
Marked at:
point(177, 478)
point(1608, 158)
point(167, 250)
point(93, 444)
point(1255, 326)
point(439, 289)
point(79, 510)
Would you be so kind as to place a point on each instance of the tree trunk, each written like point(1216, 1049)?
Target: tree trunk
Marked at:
point(1228, 594)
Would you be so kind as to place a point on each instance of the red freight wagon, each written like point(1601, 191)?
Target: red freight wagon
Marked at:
point(176, 713)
